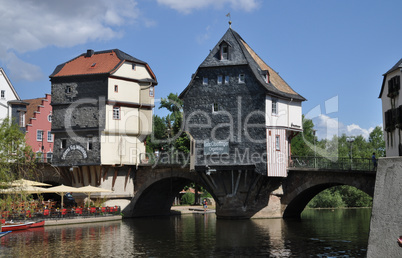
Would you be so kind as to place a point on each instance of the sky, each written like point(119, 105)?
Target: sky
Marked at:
point(332, 52)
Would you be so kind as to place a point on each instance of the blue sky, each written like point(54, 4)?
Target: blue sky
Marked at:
point(332, 52)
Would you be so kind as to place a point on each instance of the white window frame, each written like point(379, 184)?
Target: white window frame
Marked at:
point(277, 142)
point(151, 91)
point(116, 113)
point(90, 143)
point(274, 106)
point(22, 119)
point(39, 135)
point(220, 79)
point(224, 54)
point(47, 157)
point(49, 136)
point(215, 107)
point(49, 118)
point(242, 78)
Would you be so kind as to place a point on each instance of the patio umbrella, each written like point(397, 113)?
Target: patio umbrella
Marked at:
point(92, 189)
point(27, 189)
point(62, 190)
point(25, 182)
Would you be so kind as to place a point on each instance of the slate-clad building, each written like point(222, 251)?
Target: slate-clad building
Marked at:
point(392, 109)
point(102, 109)
point(239, 112)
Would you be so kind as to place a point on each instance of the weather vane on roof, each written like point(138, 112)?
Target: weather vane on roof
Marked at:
point(230, 20)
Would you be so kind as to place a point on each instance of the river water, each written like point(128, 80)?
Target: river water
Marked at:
point(319, 233)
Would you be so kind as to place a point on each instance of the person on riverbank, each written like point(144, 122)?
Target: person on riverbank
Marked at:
point(374, 159)
point(205, 204)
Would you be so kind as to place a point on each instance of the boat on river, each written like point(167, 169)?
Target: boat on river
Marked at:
point(13, 226)
point(4, 233)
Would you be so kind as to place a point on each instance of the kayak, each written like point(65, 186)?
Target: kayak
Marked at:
point(4, 233)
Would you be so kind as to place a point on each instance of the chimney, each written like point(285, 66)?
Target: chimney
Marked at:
point(90, 53)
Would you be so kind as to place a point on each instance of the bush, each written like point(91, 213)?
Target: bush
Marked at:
point(187, 198)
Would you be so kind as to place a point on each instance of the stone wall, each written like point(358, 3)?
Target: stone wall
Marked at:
point(239, 104)
point(386, 217)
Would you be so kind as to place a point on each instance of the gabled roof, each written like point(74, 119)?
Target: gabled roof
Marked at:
point(9, 84)
point(398, 65)
point(101, 62)
point(240, 53)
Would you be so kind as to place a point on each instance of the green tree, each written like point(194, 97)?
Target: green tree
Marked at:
point(303, 143)
point(16, 161)
point(377, 142)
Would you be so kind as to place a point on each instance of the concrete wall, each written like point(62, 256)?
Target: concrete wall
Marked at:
point(386, 222)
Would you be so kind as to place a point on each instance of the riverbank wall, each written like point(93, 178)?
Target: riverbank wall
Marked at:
point(386, 216)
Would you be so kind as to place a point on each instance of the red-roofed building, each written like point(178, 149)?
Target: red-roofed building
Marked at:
point(38, 127)
point(102, 110)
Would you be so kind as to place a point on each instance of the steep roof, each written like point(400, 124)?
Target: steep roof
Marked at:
point(242, 54)
point(32, 108)
point(9, 83)
point(100, 62)
point(398, 65)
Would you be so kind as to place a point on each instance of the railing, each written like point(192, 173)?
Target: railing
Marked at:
point(344, 164)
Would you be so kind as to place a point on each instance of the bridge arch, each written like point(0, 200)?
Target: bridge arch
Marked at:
point(301, 186)
point(155, 190)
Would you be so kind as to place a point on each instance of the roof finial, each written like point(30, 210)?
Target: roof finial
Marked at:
point(230, 20)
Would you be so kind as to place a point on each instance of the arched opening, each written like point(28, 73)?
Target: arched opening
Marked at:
point(329, 195)
point(158, 198)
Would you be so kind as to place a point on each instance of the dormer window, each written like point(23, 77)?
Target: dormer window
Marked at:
point(265, 75)
point(93, 65)
point(224, 51)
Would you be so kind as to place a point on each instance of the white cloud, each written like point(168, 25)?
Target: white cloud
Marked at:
point(29, 25)
point(327, 127)
point(186, 6)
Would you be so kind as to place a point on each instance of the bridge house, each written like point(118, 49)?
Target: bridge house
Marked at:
point(392, 110)
point(102, 112)
point(240, 112)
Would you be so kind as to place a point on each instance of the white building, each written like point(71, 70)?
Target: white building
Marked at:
point(392, 110)
point(7, 93)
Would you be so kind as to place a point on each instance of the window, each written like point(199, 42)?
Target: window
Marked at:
point(49, 157)
point(133, 66)
point(224, 52)
point(68, 89)
point(227, 79)
point(277, 142)
point(274, 106)
point(22, 119)
point(242, 78)
point(116, 88)
point(93, 65)
point(266, 77)
point(39, 156)
point(63, 143)
point(116, 113)
point(215, 107)
point(89, 143)
point(49, 118)
point(205, 81)
point(151, 91)
point(3, 94)
point(39, 135)
point(49, 136)
point(220, 79)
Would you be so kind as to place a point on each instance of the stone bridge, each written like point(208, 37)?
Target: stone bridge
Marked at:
point(239, 194)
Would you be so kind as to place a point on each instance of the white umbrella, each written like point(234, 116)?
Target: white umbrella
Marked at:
point(92, 189)
point(27, 189)
point(62, 190)
point(25, 182)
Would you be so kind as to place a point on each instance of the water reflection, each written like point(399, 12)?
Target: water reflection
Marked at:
point(318, 233)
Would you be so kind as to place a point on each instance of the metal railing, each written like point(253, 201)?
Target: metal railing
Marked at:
point(344, 164)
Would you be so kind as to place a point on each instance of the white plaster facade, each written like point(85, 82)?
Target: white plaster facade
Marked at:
point(8, 93)
point(392, 120)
